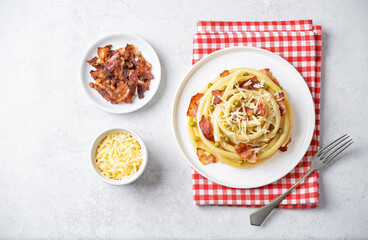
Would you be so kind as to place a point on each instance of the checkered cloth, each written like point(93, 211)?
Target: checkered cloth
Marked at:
point(300, 43)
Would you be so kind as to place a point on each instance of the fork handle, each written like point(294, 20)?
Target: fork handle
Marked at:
point(257, 217)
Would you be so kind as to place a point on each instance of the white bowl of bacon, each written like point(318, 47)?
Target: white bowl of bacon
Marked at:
point(120, 73)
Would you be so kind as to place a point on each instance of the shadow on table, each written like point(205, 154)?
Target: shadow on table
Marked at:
point(325, 38)
point(152, 174)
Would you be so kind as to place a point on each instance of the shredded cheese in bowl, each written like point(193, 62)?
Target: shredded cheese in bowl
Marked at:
point(119, 156)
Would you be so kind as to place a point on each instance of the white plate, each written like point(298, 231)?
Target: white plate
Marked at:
point(118, 41)
point(299, 96)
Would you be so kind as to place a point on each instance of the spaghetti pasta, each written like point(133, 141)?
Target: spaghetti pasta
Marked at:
point(241, 118)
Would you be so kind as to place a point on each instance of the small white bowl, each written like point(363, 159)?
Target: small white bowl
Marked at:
point(118, 41)
point(123, 181)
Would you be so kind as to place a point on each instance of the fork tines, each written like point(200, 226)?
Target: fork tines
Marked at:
point(329, 152)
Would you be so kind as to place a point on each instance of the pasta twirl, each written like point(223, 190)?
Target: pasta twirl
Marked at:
point(241, 118)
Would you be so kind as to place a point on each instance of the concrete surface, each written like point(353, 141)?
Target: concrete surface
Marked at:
point(47, 190)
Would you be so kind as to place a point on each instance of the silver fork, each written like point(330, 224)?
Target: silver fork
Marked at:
point(319, 160)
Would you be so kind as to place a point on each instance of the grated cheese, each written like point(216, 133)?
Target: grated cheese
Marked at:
point(119, 156)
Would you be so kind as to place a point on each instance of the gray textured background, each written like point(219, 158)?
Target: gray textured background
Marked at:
point(47, 189)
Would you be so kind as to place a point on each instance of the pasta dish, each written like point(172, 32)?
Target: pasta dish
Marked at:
point(241, 118)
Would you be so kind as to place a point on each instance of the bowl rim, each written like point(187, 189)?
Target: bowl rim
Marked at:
point(97, 141)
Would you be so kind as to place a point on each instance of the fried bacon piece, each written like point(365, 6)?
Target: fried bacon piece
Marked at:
point(251, 86)
point(249, 111)
point(261, 109)
point(193, 106)
point(111, 63)
point(132, 84)
point(120, 74)
point(225, 73)
point(217, 94)
point(280, 100)
point(284, 148)
point(205, 157)
point(103, 52)
point(95, 63)
point(129, 52)
point(206, 128)
point(100, 74)
point(269, 74)
point(246, 152)
point(111, 91)
point(144, 69)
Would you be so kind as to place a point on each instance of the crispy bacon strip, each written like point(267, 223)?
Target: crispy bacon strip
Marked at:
point(129, 52)
point(132, 84)
point(280, 100)
point(94, 62)
point(114, 92)
point(205, 157)
point(246, 152)
point(120, 73)
point(193, 106)
point(144, 69)
point(217, 94)
point(111, 63)
point(261, 109)
point(225, 73)
point(206, 128)
point(99, 74)
point(121, 93)
point(269, 74)
point(250, 86)
point(103, 52)
point(284, 148)
point(249, 111)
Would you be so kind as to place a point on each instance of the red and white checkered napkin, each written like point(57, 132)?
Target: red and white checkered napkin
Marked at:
point(299, 42)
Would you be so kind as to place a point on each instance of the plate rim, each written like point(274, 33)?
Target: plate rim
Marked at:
point(83, 62)
point(307, 139)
